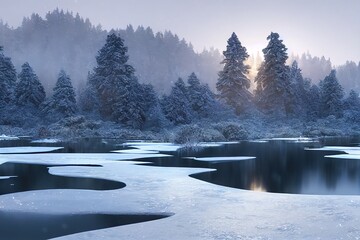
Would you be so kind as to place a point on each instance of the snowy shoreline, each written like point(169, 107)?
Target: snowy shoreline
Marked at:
point(192, 134)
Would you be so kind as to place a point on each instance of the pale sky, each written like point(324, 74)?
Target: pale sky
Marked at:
point(322, 27)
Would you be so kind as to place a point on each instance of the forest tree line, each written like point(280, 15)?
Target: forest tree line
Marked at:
point(114, 93)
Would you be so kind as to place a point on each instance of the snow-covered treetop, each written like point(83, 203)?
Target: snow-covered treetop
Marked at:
point(63, 81)
point(29, 90)
point(275, 49)
point(193, 80)
point(234, 50)
point(112, 58)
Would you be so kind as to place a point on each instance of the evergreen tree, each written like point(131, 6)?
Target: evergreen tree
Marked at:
point(63, 101)
point(7, 79)
point(89, 101)
point(29, 91)
point(313, 102)
point(155, 118)
point(331, 94)
point(299, 87)
point(273, 91)
point(352, 102)
point(352, 107)
point(200, 97)
point(116, 85)
point(233, 83)
point(176, 106)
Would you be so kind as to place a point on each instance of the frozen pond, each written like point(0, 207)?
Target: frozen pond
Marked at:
point(93, 184)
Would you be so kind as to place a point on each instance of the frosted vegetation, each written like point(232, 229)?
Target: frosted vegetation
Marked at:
point(159, 88)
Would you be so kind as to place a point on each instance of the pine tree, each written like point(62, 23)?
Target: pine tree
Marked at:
point(63, 101)
point(116, 85)
point(313, 103)
point(7, 79)
point(176, 106)
point(233, 83)
point(299, 87)
point(89, 101)
point(331, 95)
point(352, 102)
point(273, 92)
point(155, 118)
point(200, 97)
point(29, 91)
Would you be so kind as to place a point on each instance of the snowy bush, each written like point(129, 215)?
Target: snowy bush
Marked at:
point(232, 131)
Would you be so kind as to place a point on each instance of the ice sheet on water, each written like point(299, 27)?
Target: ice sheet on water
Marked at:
point(224, 159)
point(134, 151)
point(73, 158)
point(5, 137)
point(6, 177)
point(28, 149)
point(349, 150)
point(46, 140)
point(294, 140)
point(213, 144)
point(154, 146)
point(345, 156)
point(258, 141)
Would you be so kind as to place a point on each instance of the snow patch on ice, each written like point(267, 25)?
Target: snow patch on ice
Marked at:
point(29, 149)
point(296, 140)
point(46, 140)
point(224, 159)
point(258, 141)
point(349, 150)
point(134, 151)
point(154, 146)
point(6, 177)
point(5, 137)
point(213, 144)
point(73, 158)
point(345, 156)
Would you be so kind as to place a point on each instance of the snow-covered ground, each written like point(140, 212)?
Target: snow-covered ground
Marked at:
point(201, 210)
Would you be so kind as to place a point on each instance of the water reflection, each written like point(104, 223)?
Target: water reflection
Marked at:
point(285, 167)
point(45, 226)
point(19, 177)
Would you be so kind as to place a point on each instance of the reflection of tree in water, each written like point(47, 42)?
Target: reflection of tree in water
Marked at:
point(331, 172)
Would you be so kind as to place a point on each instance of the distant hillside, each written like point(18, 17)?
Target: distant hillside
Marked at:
point(66, 41)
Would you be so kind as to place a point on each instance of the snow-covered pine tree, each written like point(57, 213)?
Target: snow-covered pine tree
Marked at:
point(154, 116)
point(299, 87)
point(313, 103)
point(233, 83)
point(352, 102)
point(273, 92)
point(200, 96)
point(29, 91)
point(7, 79)
point(88, 99)
point(116, 85)
point(352, 107)
point(63, 102)
point(176, 106)
point(331, 95)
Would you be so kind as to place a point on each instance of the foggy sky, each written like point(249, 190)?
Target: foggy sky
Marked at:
point(322, 27)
